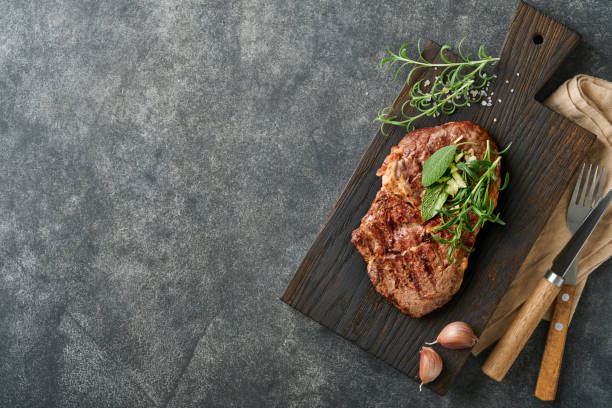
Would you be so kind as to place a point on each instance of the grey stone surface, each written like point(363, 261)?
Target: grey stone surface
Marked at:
point(164, 167)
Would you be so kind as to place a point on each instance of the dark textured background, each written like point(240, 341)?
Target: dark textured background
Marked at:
point(164, 167)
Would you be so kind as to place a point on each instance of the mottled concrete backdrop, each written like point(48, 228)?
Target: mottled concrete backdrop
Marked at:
point(164, 167)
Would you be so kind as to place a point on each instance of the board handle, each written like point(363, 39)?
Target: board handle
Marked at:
point(534, 48)
point(548, 379)
point(510, 345)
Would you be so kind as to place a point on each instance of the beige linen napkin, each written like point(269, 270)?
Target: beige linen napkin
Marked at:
point(587, 101)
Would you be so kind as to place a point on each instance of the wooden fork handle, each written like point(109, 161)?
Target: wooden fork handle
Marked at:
point(548, 379)
point(510, 345)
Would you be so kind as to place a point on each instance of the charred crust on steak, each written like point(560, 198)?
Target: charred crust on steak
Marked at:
point(405, 264)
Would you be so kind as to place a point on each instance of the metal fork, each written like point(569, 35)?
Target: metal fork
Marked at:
point(578, 210)
point(581, 203)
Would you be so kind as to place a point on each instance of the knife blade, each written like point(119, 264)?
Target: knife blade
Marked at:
point(571, 250)
point(511, 344)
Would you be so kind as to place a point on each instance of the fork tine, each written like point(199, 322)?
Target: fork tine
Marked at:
point(601, 183)
point(577, 187)
point(585, 186)
point(591, 195)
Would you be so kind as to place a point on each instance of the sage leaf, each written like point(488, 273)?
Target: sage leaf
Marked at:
point(436, 165)
point(433, 200)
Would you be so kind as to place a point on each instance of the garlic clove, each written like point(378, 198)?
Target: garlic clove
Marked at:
point(456, 335)
point(430, 366)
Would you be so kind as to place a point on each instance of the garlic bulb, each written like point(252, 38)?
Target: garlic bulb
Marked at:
point(456, 335)
point(430, 366)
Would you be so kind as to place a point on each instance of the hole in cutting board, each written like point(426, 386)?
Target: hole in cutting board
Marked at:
point(538, 39)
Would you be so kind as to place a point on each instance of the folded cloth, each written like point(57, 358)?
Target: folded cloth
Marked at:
point(587, 101)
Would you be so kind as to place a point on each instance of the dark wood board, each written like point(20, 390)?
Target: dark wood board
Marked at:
point(331, 285)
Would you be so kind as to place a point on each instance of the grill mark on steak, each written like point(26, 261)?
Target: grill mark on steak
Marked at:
point(405, 264)
point(426, 266)
point(415, 282)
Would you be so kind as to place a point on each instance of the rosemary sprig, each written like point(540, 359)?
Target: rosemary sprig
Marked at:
point(457, 85)
point(471, 203)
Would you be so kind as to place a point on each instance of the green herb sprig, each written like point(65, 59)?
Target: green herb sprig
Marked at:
point(478, 177)
point(457, 85)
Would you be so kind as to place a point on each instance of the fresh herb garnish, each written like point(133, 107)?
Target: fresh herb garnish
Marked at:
point(460, 192)
point(457, 85)
point(433, 200)
point(437, 164)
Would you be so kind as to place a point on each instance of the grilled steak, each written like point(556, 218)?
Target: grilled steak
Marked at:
point(405, 264)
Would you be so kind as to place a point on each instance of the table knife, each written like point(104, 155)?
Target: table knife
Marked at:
point(510, 345)
point(577, 210)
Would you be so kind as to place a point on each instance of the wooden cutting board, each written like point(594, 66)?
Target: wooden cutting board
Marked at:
point(331, 285)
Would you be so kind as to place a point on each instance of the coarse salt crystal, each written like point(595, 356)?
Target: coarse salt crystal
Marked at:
point(426, 83)
point(494, 119)
point(507, 81)
point(483, 103)
point(499, 100)
point(518, 73)
point(468, 104)
point(492, 93)
point(512, 90)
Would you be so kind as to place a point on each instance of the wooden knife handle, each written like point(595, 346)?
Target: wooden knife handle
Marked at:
point(548, 379)
point(510, 345)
